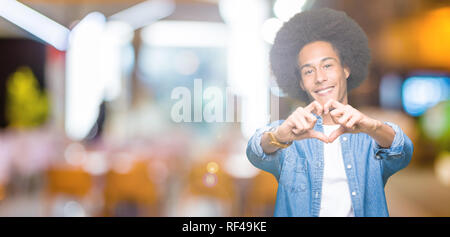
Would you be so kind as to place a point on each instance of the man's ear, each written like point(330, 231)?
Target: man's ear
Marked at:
point(346, 72)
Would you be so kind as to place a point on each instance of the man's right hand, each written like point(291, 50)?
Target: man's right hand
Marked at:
point(300, 124)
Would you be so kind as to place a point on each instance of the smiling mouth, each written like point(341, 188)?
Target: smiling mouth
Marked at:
point(324, 91)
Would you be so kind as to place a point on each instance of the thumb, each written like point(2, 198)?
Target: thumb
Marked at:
point(336, 133)
point(318, 135)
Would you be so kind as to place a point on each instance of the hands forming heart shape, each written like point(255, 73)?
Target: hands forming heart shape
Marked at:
point(300, 124)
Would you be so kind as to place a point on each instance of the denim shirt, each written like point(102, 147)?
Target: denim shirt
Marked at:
point(299, 170)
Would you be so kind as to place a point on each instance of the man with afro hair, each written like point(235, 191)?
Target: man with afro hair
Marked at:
point(329, 158)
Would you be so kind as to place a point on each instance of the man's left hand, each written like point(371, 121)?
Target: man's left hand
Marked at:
point(350, 119)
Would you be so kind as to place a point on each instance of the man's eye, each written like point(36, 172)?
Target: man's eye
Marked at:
point(306, 72)
point(328, 65)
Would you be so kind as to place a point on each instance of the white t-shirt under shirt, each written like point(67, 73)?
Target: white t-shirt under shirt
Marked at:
point(336, 199)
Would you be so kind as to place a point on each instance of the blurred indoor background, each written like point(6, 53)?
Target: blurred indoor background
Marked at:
point(91, 94)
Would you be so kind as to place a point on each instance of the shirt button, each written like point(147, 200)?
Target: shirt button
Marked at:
point(353, 193)
point(344, 138)
point(349, 166)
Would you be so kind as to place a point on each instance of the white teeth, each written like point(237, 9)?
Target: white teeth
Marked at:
point(324, 91)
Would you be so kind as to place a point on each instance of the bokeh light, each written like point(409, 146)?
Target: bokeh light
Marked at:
point(436, 122)
point(442, 168)
point(75, 154)
point(212, 167)
point(186, 62)
point(73, 209)
point(270, 29)
point(210, 180)
point(391, 91)
point(423, 92)
point(285, 9)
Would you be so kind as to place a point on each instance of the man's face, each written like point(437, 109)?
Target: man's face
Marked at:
point(322, 75)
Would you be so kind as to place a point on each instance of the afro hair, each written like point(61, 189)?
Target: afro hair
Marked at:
point(335, 27)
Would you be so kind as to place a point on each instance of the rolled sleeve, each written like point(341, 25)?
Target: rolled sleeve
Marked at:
point(396, 148)
point(397, 156)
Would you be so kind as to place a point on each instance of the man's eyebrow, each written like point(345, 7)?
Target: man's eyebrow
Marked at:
point(322, 60)
point(304, 65)
point(328, 58)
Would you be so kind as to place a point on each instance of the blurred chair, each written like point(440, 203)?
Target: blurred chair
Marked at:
point(261, 195)
point(66, 180)
point(2, 191)
point(131, 192)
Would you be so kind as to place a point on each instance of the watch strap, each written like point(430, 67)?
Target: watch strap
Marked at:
point(275, 142)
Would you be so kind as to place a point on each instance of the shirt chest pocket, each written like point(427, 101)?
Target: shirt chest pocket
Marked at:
point(294, 176)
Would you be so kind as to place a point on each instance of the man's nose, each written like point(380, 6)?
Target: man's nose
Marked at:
point(320, 76)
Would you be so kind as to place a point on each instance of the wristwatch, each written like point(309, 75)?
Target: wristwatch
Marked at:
point(274, 141)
